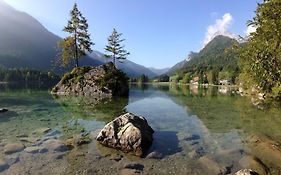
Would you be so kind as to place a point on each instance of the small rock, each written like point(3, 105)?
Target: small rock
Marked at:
point(28, 139)
point(117, 157)
point(53, 133)
point(3, 110)
point(78, 141)
point(136, 166)
point(3, 165)
point(77, 154)
point(42, 131)
point(154, 155)
point(13, 148)
point(58, 156)
point(246, 172)
point(36, 149)
point(44, 119)
point(212, 166)
point(126, 171)
point(250, 162)
point(132, 169)
point(13, 159)
point(22, 135)
point(191, 137)
point(55, 145)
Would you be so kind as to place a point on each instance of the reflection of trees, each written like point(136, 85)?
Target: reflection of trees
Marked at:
point(223, 113)
point(93, 108)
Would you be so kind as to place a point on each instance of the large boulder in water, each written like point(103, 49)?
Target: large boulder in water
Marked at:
point(129, 133)
point(102, 81)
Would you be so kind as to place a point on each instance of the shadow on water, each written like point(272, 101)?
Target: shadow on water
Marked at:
point(93, 108)
point(165, 143)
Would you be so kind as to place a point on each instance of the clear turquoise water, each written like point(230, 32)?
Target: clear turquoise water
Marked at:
point(191, 123)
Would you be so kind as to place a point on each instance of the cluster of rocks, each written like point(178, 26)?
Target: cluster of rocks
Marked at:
point(102, 81)
point(128, 133)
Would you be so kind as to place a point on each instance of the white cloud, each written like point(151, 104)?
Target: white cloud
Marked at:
point(250, 29)
point(220, 27)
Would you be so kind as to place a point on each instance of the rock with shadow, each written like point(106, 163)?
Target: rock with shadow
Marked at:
point(3, 110)
point(128, 133)
point(165, 143)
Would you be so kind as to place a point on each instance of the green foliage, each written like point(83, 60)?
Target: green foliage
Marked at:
point(217, 56)
point(112, 79)
point(186, 78)
point(67, 55)
point(213, 77)
point(75, 76)
point(260, 57)
point(79, 42)
point(27, 76)
point(143, 79)
point(164, 78)
point(114, 47)
point(175, 78)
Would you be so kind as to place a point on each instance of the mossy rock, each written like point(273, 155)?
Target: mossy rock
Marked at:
point(104, 81)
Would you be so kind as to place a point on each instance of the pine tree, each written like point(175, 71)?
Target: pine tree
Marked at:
point(79, 42)
point(114, 47)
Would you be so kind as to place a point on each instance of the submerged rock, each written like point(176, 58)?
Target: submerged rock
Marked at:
point(3, 165)
point(128, 133)
point(155, 155)
point(55, 145)
point(212, 166)
point(36, 149)
point(132, 169)
point(102, 81)
point(250, 162)
point(246, 172)
point(13, 148)
point(3, 110)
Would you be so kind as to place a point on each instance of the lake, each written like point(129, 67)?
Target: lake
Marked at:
point(198, 130)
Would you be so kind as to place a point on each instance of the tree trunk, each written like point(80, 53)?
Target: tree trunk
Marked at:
point(76, 49)
point(114, 60)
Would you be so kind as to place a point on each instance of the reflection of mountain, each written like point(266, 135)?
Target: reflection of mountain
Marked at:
point(142, 91)
point(92, 108)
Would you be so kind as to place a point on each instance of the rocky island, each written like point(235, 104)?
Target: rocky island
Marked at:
point(101, 82)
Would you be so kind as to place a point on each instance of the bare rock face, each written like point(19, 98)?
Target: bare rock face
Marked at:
point(128, 133)
point(101, 81)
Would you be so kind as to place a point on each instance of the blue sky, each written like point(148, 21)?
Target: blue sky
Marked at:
point(158, 33)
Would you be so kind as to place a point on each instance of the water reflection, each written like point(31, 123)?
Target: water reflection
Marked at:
point(195, 126)
point(93, 108)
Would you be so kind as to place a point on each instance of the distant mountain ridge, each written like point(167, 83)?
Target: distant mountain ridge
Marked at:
point(132, 69)
point(213, 55)
point(159, 71)
point(26, 43)
point(181, 64)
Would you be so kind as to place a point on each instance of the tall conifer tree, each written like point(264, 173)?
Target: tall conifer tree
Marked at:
point(79, 42)
point(114, 48)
